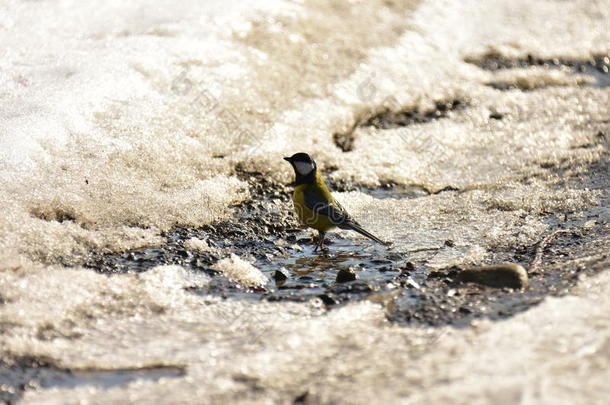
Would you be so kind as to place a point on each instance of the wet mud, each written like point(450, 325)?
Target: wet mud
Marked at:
point(598, 67)
point(395, 117)
point(265, 231)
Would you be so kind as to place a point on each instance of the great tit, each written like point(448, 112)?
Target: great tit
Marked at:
point(315, 205)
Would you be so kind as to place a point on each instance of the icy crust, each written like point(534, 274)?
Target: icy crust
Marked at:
point(538, 78)
point(348, 355)
point(474, 222)
point(115, 129)
point(67, 217)
point(59, 301)
point(241, 271)
point(197, 244)
point(427, 65)
point(85, 302)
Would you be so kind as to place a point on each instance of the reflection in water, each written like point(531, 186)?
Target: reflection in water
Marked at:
point(310, 273)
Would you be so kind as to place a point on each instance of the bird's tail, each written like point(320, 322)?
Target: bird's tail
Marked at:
point(358, 228)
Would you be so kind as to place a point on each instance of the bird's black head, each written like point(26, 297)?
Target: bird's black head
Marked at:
point(304, 167)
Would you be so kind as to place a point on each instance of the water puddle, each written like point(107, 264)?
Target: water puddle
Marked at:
point(346, 269)
point(111, 378)
point(20, 374)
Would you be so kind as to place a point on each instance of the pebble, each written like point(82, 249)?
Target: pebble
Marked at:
point(500, 275)
point(279, 277)
point(409, 267)
point(345, 275)
point(412, 283)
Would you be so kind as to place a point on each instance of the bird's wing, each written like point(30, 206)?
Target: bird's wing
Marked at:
point(337, 214)
point(329, 208)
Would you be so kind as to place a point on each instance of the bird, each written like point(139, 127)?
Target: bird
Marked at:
point(314, 204)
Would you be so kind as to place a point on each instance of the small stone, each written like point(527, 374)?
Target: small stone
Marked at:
point(327, 299)
point(279, 277)
point(345, 275)
point(465, 310)
point(381, 261)
point(412, 283)
point(500, 275)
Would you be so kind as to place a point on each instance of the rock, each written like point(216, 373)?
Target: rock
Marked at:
point(327, 299)
point(500, 275)
point(411, 283)
point(279, 277)
point(345, 275)
point(352, 287)
point(408, 267)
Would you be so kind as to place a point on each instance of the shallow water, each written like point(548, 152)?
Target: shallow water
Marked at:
point(141, 145)
point(28, 372)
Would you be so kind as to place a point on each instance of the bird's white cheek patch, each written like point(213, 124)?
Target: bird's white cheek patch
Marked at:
point(303, 167)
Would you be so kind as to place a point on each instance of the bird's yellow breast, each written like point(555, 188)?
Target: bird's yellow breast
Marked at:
point(307, 216)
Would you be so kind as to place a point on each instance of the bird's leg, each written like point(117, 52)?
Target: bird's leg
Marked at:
point(320, 244)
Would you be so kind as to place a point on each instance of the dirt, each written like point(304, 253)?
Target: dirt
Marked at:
point(393, 116)
point(598, 66)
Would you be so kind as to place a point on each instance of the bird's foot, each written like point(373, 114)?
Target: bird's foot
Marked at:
point(320, 243)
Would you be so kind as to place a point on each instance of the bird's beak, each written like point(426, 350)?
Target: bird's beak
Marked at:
point(287, 159)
